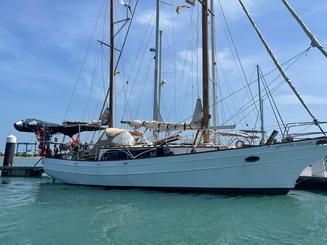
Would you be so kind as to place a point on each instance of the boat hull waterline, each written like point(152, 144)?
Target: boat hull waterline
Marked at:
point(270, 169)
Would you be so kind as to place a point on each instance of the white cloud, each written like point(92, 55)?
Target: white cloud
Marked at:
point(147, 17)
point(289, 99)
point(233, 10)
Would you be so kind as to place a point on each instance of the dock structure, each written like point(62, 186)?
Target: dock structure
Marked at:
point(311, 179)
point(311, 183)
point(21, 171)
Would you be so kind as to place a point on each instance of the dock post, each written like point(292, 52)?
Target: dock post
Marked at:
point(9, 153)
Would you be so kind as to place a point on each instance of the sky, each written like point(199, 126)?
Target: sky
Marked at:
point(52, 67)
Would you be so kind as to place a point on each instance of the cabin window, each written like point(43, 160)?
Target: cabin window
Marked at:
point(115, 156)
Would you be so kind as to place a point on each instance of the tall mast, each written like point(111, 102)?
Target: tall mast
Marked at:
point(262, 126)
point(111, 66)
point(213, 66)
point(314, 41)
point(156, 110)
point(280, 68)
point(205, 71)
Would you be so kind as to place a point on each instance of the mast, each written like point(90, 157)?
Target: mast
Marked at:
point(280, 68)
point(213, 66)
point(262, 126)
point(156, 110)
point(205, 71)
point(314, 41)
point(111, 66)
point(159, 72)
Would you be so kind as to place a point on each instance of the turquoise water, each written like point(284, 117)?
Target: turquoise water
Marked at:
point(37, 211)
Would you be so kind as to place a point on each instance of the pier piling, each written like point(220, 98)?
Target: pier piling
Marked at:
point(9, 153)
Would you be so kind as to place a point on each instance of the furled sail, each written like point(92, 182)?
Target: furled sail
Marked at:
point(162, 126)
point(168, 126)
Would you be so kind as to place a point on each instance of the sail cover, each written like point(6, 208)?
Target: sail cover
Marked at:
point(162, 126)
point(168, 126)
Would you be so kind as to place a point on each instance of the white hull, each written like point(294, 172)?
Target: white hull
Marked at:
point(276, 170)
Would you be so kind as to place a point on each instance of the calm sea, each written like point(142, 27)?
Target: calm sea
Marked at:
point(37, 211)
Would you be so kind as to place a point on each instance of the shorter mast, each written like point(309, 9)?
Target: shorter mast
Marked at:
point(280, 68)
point(205, 71)
point(262, 126)
point(314, 41)
point(159, 73)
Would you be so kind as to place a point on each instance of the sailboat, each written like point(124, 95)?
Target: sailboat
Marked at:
point(125, 160)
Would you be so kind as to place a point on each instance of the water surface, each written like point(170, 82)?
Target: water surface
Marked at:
point(38, 211)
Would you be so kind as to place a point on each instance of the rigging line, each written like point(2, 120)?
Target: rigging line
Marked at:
point(258, 114)
point(272, 99)
point(269, 95)
point(103, 74)
point(187, 76)
point(269, 51)
point(140, 65)
point(265, 97)
point(235, 101)
point(189, 42)
point(145, 82)
point(175, 61)
point(172, 74)
point(197, 51)
point(125, 101)
point(120, 53)
point(293, 60)
point(83, 62)
point(274, 90)
point(236, 52)
point(145, 41)
point(247, 105)
point(127, 32)
point(88, 100)
point(193, 62)
point(222, 109)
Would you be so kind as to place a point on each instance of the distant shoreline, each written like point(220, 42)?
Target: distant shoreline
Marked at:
point(21, 157)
